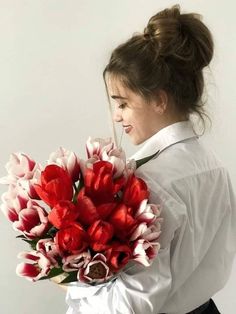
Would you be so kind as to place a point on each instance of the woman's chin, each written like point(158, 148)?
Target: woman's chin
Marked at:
point(136, 141)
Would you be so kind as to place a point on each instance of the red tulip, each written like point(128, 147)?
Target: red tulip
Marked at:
point(72, 239)
point(100, 233)
point(87, 211)
point(135, 192)
point(118, 255)
point(63, 214)
point(105, 210)
point(123, 221)
point(56, 185)
point(99, 182)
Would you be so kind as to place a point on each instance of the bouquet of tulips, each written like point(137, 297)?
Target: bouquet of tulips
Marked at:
point(85, 220)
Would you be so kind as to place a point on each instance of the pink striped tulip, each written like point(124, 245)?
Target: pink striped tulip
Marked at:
point(117, 158)
point(96, 269)
point(39, 267)
point(66, 160)
point(76, 261)
point(20, 166)
point(144, 251)
point(13, 203)
point(49, 249)
point(96, 146)
point(147, 212)
point(32, 220)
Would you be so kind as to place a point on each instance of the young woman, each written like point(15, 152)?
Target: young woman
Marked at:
point(155, 80)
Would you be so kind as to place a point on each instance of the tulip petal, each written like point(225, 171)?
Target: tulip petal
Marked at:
point(27, 270)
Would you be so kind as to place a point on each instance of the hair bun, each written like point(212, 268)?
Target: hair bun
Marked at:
point(182, 37)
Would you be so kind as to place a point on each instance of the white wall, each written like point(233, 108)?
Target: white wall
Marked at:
point(52, 54)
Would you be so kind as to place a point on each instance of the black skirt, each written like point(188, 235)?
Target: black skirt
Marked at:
point(207, 308)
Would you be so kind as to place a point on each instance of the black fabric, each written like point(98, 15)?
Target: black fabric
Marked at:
point(207, 308)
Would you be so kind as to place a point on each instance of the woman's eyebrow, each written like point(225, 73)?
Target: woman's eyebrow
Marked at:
point(120, 97)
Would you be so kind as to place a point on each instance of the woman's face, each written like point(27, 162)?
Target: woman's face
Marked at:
point(139, 119)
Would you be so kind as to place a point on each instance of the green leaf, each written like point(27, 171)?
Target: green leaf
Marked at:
point(21, 236)
point(53, 273)
point(77, 189)
point(71, 277)
point(52, 231)
point(142, 161)
point(32, 243)
point(81, 182)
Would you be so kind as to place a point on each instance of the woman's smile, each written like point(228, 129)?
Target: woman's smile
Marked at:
point(127, 128)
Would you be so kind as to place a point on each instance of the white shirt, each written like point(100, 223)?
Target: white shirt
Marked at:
point(198, 239)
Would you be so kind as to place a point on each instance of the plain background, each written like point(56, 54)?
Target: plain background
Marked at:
point(52, 54)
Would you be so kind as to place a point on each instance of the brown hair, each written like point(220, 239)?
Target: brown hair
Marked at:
point(170, 54)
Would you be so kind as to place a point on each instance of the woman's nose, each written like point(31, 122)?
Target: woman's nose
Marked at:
point(117, 116)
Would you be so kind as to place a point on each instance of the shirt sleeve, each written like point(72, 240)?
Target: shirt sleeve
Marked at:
point(140, 290)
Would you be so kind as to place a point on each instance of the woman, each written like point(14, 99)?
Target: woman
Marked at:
point(156, 82)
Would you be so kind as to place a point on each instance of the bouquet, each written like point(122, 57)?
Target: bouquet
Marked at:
point(85, 220)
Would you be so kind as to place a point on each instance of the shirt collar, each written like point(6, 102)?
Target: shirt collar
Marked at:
point(166, 137)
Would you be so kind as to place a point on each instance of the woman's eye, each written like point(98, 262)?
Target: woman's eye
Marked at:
point(122, 106)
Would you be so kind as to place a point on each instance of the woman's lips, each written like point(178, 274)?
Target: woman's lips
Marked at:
point(127, 128)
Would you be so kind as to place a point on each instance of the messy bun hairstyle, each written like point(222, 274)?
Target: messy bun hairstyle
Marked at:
point(170, 54)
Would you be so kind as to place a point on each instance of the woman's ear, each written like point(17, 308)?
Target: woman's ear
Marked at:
point(161, 101)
